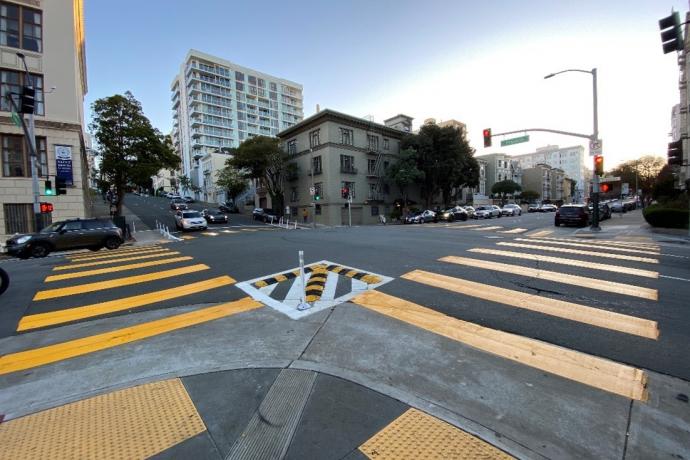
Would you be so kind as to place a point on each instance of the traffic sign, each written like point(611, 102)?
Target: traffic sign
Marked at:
point(515, 140)
point(625, 188)
point(610, 179)
point(595, 147)
point(312, 191)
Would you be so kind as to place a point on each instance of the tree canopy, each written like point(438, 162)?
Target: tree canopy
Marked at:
point(529, 195)
point(646, 168)
point(131, 150)
point(446, 159)
point(505, 187)
point(232, 180)
point(405, 172)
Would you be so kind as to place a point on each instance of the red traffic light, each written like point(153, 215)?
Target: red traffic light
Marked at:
point(604, 188)
point(46, 208)
point(487, 137)
point(599, 165)
point(345, 192)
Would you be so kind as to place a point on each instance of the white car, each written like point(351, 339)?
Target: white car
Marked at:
point(487, 211)
point(511, 210)
point(190, 220)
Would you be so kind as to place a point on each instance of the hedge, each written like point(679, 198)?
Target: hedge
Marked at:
point(662, 216)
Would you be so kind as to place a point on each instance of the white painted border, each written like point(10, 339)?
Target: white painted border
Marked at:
point(290, 310)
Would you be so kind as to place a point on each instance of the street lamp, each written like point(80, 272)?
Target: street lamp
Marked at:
point(595, 136)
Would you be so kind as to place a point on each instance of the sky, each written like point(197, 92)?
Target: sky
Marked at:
point(481, 63)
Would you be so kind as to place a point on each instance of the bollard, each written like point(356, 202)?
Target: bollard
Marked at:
point(303, 305)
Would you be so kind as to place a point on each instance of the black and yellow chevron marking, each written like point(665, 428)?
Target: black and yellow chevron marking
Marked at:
point(350, 273)
point(316, 283)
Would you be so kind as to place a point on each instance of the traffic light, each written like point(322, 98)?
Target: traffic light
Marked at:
point(487, 137)
point(28, 99)
point(46, 208)
point(605, 187)
point(317, 197)
point(675, 153)
point(60, 186)
point(599, 165)
point(49, 188)
point(345, 192)
point(671, 33)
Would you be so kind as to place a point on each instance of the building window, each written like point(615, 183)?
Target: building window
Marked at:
point(252, 80)
point(386, 144)
point(239, 76)
point(293, 194)
point(42, 153)
point(239, 86)
point(314, 138)
point(29, 29)
point(347, 164)
point(375, 211)
point(371, 166)
point(19, 218)
point(262, 83)
point(273, 95)
point(350, 186)
point(292, 147)
point(318, 189)
point(14, 162)
point(272, 86)
point(11, 82)
point(316, 164)
point(373, 142)
point(346, 136)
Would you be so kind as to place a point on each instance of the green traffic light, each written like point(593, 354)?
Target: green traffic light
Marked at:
point(317, 198)
point(49, 192)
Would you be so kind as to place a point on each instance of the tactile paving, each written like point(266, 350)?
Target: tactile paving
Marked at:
point(136, 422)
point(419, 436)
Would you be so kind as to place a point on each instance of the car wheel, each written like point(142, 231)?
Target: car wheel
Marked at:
point(112, 243)
point(4, 281)
point(40, 250)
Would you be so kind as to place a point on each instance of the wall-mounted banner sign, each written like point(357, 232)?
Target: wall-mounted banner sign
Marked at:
point(63, 163)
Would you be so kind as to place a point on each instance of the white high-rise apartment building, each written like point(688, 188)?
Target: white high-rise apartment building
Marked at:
point(218, 104)
point(570, 159)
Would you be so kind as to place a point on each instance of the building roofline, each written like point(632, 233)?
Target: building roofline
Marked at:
point(329, 114)
point(398, 115)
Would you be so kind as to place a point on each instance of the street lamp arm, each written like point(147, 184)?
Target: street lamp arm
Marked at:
point(568, 70)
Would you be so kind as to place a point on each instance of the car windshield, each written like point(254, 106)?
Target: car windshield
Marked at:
point(482, 208)
point(54, 227)
point(191, 214)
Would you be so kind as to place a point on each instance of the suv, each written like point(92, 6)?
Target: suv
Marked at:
point(264, 215)
point(93, 234)
point(577, 214)
point(178, 204)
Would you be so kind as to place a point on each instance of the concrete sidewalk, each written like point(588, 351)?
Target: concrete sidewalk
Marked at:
point(632, 224)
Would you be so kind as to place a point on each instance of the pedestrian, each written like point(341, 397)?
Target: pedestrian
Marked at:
point(305, 214)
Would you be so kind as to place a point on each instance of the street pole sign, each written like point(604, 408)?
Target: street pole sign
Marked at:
point(610, 179)
point(312, 191)
point(625, 188)
point(595, 147)
point(515, 140)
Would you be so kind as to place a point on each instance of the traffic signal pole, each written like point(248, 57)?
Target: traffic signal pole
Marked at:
point(595, 135)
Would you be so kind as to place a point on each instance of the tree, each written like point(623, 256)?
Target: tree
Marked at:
point(405, 172)
point(643, 172)
point(505, 187)
point(446, 158)
point(185, 183)
point(262, 158)
point(131, 149)
point(529, 195)
point(233, 181)
point(664, 187)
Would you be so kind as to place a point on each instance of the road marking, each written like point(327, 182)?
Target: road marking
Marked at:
point(118, 252)
point(515, 230)
point(580, 252)
point(250, 229)
point(188, 237)
point(210, 233)
point(88, 311)
point(118, 282)
point(533, 302)
point(571, 262)
point(541, 233)
point(590, 370)
point(645, 246)
point(28, 359)
point(316, 284)
point(463, 226)
point(229, 231)
point(112, 261)
point(493, 227)
point(588, 246)
point(573, 280)
point(114, 256)
point(119, 268)
point(673, 278)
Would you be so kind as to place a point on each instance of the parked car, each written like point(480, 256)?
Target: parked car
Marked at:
point(425, 216)
point(190, 220)
point(188, 199)
point(470, 211)
point(214, 217)
point(229, 207)
point(69, 234)
point(548, 208)
point(264, 215)
point(169, 195)
point(573, 214)
point(487, 211)
point(178, 205)
point(511, 210)
point(453, 214)
point(533, 207)
point(411, 218)
point(604, 210)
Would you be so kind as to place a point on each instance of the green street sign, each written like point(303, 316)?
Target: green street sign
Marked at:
point(515, 140)
point(17, 121)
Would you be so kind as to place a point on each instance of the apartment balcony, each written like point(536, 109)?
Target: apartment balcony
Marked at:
point(348, 170)
point(195, 121)
point(196, 133)
point(375, 197)
point(373, 174)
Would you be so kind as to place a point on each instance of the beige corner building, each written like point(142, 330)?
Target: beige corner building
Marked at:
point(50, 33)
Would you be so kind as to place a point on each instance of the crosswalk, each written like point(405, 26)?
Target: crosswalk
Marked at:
point(485, 227)
point(550, 261)
point(224, 231)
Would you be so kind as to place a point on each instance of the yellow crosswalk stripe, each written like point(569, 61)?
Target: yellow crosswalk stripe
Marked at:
point(119, 268)
point(28, 359)
point(113, 261)
point(127, 250)
point(593, 242)
point(588, 246)
point(570, 262)
point(533, 302)
point(493, 227)
point(89, 311)
point(573, 280)
point(541, 233)
point(579, 252)
point(118, 282)
point(590, 370)
point(114, 256)
point(463, 226)
point(188, 237)
point(515, 230)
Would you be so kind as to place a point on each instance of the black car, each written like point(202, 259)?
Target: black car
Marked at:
point(453, 214)
point(229, 207)
point(178, 205)
point(265, 215)
point(577, 214)
point(93, 234)
point(215, 217)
